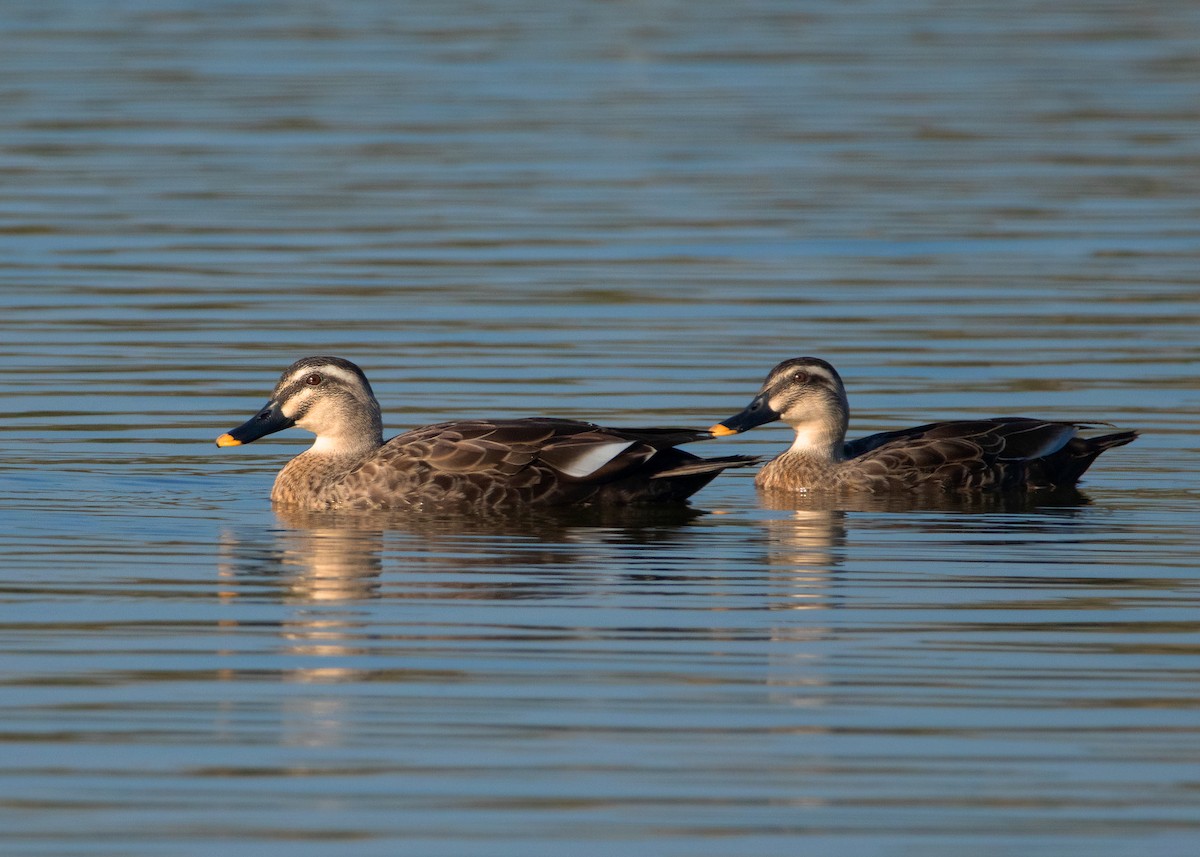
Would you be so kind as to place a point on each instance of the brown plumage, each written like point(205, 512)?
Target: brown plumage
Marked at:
point(967, 455)
point(516, 464)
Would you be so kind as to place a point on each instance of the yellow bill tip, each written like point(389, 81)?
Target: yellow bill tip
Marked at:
point(228, 440)
point(719, 430)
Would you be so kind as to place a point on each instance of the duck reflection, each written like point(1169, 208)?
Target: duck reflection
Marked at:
point(803, 549)
point(330, 560)
point(341, 624)
point(973, 503)
point(339, 557)
point(807, 535)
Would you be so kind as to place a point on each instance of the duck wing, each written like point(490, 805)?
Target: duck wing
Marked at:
point(532, 462)
point(1024, 437)
point(960, 455)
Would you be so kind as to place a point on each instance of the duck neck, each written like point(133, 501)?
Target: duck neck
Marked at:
point(354, 434)
point(819, 441)
point(345, 447)
point(310, 477)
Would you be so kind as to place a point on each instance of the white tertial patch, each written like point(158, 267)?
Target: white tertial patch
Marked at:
point(1053, 442)
point(592, 458)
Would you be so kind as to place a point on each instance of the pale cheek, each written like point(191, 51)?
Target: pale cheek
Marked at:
point(293, 406)
point(319, 416)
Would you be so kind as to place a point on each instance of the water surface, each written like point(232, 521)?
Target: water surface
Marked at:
point(625, 213)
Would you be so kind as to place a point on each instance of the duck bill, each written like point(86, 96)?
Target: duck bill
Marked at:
point(756, 413)
point(267, 421)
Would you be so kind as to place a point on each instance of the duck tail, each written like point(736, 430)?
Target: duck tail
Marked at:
point(1065, 467)
point(1108, 441)
point(708, 465)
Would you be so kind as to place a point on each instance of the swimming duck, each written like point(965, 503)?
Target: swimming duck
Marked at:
point(467, 464)
point(968, 455)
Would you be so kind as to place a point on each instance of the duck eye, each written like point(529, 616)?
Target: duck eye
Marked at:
point(800, 378)
point(313, 380)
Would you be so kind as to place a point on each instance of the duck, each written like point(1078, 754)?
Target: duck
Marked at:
point(473, 464)
point(999, 454)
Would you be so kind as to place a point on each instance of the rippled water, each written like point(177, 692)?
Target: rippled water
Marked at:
point(626, 213)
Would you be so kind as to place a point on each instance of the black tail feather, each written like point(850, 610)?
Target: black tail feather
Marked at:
point(709, 465)
point(1065, 467)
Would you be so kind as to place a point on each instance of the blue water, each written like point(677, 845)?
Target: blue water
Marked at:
point(624, 213)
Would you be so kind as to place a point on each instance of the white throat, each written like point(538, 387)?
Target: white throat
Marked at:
point(331, 445)
point(814, 440)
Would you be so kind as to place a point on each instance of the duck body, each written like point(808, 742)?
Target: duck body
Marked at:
point(541, 463)
point(503, 464)
point(999, 454)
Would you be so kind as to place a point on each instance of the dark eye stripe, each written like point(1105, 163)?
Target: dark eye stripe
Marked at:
point(292, 390)
point(328, 384)
point(804, 378)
